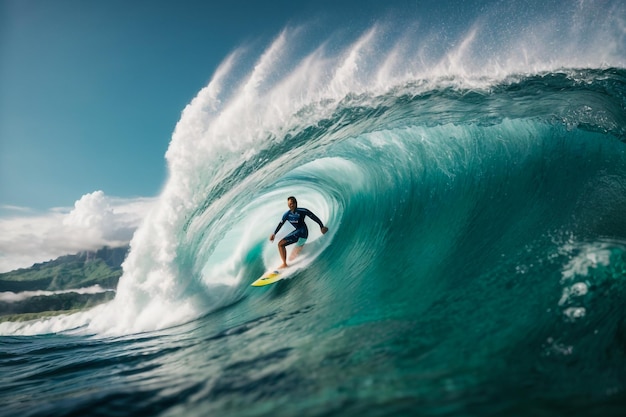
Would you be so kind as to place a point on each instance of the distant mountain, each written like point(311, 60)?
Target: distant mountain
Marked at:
point(84, 269)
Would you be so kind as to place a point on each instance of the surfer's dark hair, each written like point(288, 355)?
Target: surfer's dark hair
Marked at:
point(294, 200)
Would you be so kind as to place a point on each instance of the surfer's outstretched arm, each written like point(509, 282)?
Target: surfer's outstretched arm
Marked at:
point(317, 220)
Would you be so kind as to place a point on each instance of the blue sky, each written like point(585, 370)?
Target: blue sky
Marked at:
point(91, 91)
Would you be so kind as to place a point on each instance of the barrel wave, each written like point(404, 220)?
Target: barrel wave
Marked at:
point(475, 263)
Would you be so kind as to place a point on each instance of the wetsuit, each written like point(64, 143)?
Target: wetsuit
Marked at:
point(297, 220)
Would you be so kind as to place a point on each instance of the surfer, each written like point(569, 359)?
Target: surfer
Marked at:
point(295, 216)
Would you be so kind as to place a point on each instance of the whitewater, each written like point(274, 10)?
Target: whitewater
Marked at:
point(474, 188)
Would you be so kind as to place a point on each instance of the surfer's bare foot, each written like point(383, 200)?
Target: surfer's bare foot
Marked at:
point(283, 266)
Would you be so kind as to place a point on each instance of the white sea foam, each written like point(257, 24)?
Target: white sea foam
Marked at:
point(12, 297)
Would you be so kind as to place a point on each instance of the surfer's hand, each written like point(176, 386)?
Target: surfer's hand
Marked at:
point(272, 237)
point(324, 230)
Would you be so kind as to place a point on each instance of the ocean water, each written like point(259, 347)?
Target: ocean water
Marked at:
point(475, 263)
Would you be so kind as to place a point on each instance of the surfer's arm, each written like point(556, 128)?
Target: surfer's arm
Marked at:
point(316, 220)
point(273, 235)
point(280, 224)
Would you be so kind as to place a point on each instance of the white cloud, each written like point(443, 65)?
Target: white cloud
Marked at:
point(6, 207)
point(95, 220)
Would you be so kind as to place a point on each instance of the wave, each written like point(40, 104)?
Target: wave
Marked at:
point(413, 157)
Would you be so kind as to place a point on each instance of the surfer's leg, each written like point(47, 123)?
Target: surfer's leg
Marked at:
point(282, 247)
point(282, 250)
point(296, 251)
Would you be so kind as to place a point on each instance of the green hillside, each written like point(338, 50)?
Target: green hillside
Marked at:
point(84, 269)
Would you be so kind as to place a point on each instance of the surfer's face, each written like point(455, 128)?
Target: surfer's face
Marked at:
point(292, 205)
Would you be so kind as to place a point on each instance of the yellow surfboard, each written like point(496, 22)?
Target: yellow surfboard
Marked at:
point(268, 278)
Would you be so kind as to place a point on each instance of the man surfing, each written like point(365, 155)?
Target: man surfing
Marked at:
point(296, 217)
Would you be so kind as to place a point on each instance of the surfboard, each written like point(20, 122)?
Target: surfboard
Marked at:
point(268, 278)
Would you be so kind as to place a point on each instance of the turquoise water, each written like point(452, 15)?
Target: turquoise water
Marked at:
point(475, 263)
